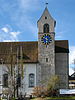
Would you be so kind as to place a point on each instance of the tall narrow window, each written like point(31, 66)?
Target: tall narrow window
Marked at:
point(31, 80)
point(46, 28)
point(19, 80)
point(5, 80)
point(46, 59)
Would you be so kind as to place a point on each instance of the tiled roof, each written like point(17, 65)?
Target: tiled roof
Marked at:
point(30, 50)
point(61, 46)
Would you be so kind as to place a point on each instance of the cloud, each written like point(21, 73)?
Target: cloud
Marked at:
point(15, 34)
point(71, 60)
point(5, 29)
point(71, 71)
point(28, 4)
point(8, 40)
point(22, 18)
point(72, 54)
point(59, 35)
point(7, 34)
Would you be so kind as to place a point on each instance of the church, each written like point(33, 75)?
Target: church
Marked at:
point(35, 61)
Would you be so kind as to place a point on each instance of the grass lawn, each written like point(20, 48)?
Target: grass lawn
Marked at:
point(48, 98)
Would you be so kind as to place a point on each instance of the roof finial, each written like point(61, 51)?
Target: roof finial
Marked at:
point(46, 4)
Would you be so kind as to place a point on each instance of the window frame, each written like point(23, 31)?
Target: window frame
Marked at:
point(46, 28)
point(5, 80)
point(46, 59)
point(31, 79)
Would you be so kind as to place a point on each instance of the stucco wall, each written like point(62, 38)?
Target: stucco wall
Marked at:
point(28, 68)
point(62, 68)
point(3, 70)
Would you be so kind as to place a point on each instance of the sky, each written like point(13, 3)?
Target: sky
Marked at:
point(18, 21)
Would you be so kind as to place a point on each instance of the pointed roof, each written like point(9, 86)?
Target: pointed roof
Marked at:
point(46, 12)
point(72, 77)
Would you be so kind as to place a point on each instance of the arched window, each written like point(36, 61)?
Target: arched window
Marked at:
point(46, 28)
point(31, 80)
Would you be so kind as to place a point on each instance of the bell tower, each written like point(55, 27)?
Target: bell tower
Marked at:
point(46, 45)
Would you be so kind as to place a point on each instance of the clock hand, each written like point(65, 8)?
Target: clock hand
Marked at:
point(46, 39)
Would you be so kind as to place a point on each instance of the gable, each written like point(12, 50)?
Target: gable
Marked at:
point(46, 13)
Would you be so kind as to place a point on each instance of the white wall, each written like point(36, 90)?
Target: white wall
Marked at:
point(28, 68)
point(3, 69)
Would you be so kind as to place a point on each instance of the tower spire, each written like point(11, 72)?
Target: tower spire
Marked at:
point(46, 4)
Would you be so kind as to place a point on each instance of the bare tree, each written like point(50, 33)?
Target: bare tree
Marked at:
point(14, 67)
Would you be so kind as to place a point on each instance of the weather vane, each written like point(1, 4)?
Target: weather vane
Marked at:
point(46, 4)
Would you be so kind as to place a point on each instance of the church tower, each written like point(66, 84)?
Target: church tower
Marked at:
point(46, 45)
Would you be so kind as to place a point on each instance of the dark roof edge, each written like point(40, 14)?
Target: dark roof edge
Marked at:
point(19, 42)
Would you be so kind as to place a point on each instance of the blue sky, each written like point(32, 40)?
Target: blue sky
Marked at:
point(18, 20)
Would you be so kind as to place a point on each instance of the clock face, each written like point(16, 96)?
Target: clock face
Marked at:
point(46, 39)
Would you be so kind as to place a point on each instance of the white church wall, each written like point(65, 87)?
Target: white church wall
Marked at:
point(3, 70)
point(0, 79)
point(28, 69)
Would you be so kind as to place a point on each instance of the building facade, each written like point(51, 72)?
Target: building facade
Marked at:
point(72, 81)
point(34, 61)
